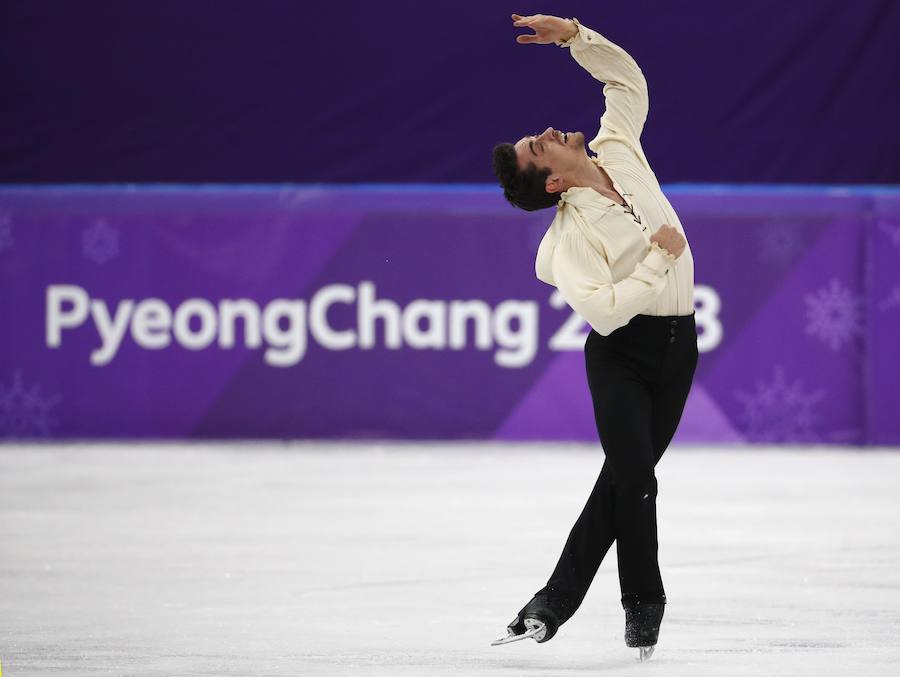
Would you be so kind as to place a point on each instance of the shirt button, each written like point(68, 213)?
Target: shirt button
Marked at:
point(672, 340)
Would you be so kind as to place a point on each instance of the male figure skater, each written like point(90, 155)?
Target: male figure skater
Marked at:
point(617, 253)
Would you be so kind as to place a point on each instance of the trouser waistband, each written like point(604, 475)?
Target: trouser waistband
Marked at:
point(660, 320)
point(655, 329)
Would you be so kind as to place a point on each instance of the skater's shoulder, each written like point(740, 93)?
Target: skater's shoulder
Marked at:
point(565, 225)
point(571, 235)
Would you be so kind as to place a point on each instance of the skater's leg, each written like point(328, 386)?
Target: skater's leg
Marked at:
point(594, 532)
point(637, 546)
point(622, 399)
point(668, 399)
point(588, 542)
point(622, 504)
point(671, 393)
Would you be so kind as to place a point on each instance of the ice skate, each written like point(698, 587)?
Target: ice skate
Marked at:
point(537, 621)
point(642, 623)
point(533, 628)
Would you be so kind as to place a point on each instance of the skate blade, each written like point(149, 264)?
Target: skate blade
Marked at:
point(536, 629)
point(645, 653)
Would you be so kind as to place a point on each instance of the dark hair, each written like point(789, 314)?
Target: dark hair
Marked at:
point(523, 188)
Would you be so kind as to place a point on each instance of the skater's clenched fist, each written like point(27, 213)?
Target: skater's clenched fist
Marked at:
point(669, 239)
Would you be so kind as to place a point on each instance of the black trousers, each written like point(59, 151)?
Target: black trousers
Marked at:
point(639, 378)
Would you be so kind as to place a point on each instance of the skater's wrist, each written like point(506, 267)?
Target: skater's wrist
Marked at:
point(659, 259)
point(567, 38)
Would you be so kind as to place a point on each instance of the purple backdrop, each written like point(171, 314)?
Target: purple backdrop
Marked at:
point(268, 91)
point(414, 313)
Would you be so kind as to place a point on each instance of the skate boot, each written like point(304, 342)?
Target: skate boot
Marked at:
point(642, 621)
point(538, 620)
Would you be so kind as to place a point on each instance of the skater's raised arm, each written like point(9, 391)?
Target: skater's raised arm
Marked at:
point(626, 95)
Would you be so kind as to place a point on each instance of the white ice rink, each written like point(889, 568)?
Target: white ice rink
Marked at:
point(409, 559)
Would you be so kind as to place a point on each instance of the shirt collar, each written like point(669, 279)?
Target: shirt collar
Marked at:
point(580, 196)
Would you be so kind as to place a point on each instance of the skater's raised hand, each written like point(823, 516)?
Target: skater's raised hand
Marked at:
point(669, 239)
point(547, 29)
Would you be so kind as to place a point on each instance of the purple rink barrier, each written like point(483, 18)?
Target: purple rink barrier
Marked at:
point(414, 312)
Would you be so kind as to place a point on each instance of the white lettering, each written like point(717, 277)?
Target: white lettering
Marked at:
point(520, 346)
point(284, 326)
point(289, 344)
point(572, 335)
point(229, 312)
point(707, 305)
point(204, 311)
point(111, 329)
point(369, 310)
point(318, 317)
point(460, 312)
point(150, 324)
point(57, 318)
point(435, 313)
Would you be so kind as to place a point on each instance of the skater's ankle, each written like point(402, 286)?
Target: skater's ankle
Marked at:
point(561, 605)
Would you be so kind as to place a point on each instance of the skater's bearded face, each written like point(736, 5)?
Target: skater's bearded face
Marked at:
point(560, 152)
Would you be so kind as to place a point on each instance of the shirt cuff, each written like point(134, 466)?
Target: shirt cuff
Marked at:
point(568, 43)
point(659, 260)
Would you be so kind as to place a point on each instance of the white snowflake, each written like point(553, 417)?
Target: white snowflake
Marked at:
point(834, 314)
point(892, 230)
point(100, 242)
point(779, 411)
point(6, 238)
point(25, 412)
point(779, 242)
point(892, 300)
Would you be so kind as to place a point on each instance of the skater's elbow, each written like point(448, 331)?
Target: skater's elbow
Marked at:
point(603, 320)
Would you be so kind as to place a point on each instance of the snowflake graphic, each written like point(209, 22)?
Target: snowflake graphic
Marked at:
point(892, 300)
point(778, 411)
point(100, 242)
point(779, 242)
point(892, 230)
point(834, 314)
point(6, 238)
point(25, 412)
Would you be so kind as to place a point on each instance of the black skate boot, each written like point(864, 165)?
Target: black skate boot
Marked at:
point(642, 621)
point(539, 619)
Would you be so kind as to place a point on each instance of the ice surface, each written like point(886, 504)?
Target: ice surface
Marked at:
point(342, 559)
